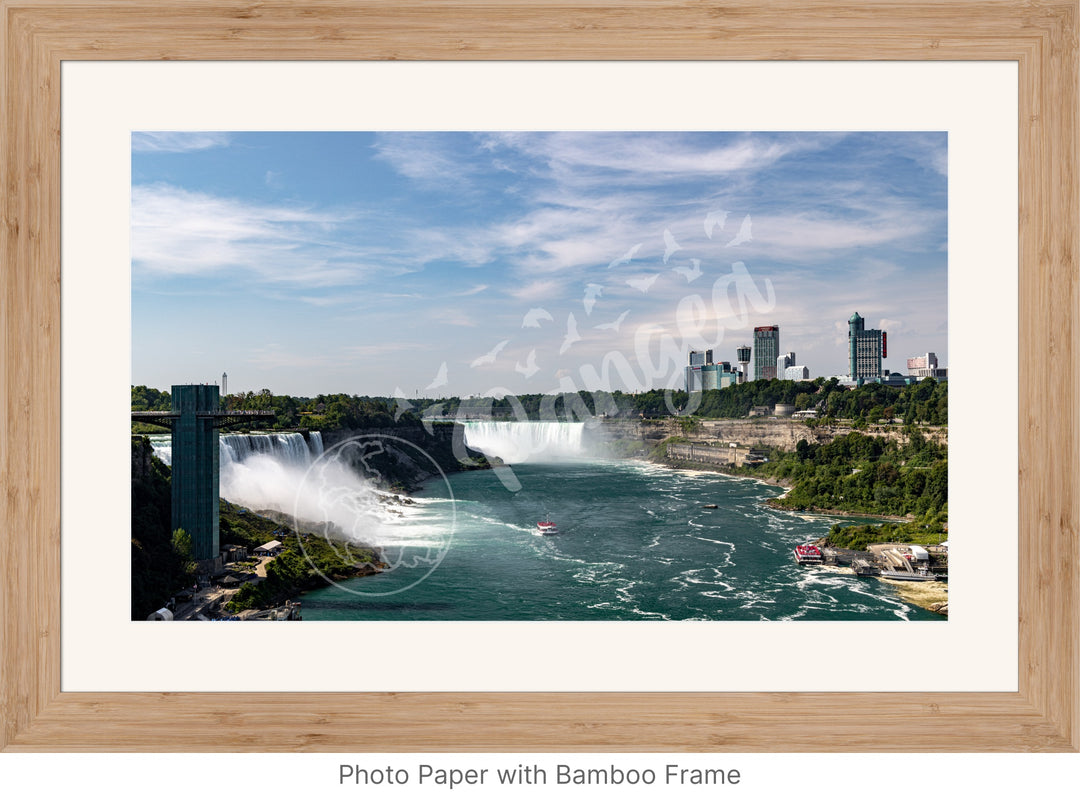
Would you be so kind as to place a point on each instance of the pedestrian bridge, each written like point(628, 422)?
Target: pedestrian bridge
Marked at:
point(220, 417)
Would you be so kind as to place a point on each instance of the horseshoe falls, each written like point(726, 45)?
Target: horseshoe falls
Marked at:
point(526, 441)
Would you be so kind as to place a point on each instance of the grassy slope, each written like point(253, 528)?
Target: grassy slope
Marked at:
point(309, 561)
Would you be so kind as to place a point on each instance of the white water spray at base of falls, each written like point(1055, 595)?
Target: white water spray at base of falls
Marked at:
point(289, 474)
point(526, 441)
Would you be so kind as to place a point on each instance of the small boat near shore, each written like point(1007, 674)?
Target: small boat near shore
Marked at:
point(808, 554)
point(917, 576)
point(710, 506)
point(908, 564)
point(547, 528)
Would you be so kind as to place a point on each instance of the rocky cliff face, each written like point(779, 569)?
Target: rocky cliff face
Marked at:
point(779, 433)
point(412, 454)
point(445, 445)
point(140, 459)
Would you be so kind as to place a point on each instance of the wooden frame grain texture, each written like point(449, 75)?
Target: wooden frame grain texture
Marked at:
point(37, 35)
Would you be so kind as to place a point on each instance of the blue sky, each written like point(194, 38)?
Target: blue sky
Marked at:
point(454, 263)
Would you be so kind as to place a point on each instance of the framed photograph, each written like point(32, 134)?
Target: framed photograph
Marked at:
point(180, 72)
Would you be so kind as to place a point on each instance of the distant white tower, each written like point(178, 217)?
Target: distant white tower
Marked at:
point(224, 383)
point(743, 354)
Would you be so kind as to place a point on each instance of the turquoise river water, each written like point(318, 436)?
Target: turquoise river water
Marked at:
point(634, 542)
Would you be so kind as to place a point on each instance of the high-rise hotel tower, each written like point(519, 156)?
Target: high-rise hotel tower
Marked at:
point(866, 349)
point(766, 351)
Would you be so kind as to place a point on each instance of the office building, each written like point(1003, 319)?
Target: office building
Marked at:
point(699, 358)
point(866, 349)
point(766, 351)
point(926, 366)
point(703, 374)
point(783, 362)
point(710, 376)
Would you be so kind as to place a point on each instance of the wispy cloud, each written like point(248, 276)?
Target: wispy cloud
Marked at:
point(182, 232)
point(474, 290)
point(569, 220)
point(801, 234)
point(645, 154)
point(455, 317)
point(420, 156)
point(177, 142)
point(538, 290)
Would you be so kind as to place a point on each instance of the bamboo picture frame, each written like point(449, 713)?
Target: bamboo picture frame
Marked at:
point(1041, 37)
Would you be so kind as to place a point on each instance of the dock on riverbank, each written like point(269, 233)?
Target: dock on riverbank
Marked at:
point(919, 573)
point(883, 559)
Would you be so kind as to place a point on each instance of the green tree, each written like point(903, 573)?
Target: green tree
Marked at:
point(184, 548)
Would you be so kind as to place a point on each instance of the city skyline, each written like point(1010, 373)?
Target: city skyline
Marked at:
point(430, 264)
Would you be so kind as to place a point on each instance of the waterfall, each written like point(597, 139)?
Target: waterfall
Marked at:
point(278, 472)
point(290, 449)
point(161, 445)
point(289, 474)
point(528, 441)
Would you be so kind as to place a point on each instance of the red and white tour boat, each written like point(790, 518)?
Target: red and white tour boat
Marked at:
point(808, 553)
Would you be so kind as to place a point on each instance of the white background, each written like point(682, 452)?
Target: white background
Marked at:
point(298, 780)
point(103, 102)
